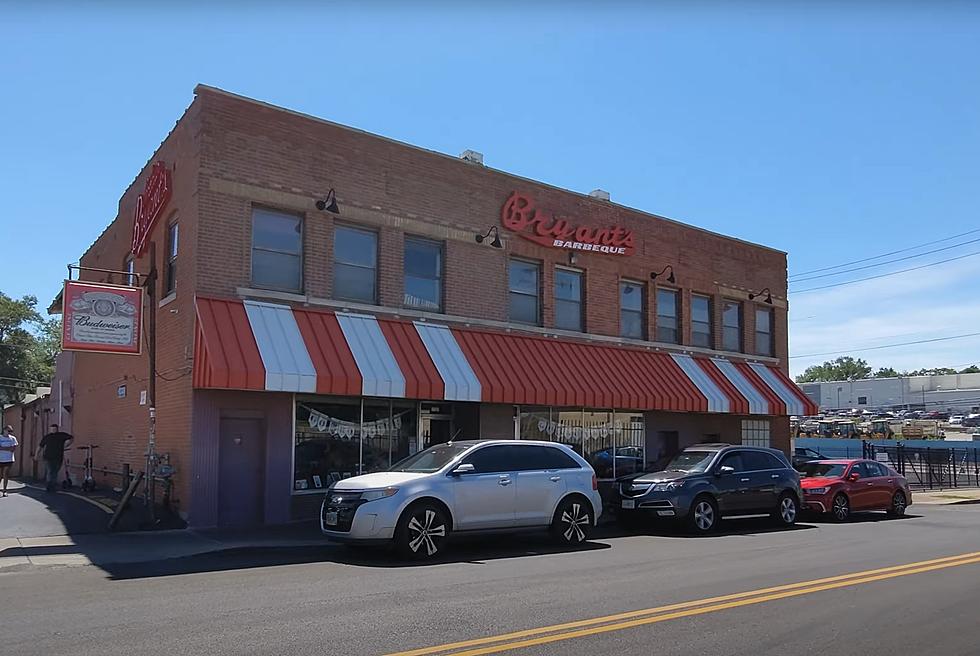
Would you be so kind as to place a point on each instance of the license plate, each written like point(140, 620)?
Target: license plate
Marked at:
point(330, 518)
point(629, 504)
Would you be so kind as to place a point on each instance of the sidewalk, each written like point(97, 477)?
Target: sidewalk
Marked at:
point(949, 497)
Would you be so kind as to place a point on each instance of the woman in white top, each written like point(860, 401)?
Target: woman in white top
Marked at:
point(8, 444)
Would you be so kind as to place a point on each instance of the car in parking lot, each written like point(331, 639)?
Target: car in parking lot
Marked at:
point(707, 482)
point(840, 487)
point(802, 455)
point(466, 487)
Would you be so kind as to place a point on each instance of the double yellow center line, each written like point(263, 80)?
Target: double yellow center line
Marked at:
point(581, 628)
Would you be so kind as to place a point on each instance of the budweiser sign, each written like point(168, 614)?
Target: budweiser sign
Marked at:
point(150, 205)
point(534, 224)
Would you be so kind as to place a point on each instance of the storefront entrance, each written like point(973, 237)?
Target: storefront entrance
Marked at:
point(241, 472)
point(436, 429)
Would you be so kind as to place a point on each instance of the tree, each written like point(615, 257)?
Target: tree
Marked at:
point(936, 371)
point(972, 369)
point(886, 372)
point(28, 347)
point(843, 368)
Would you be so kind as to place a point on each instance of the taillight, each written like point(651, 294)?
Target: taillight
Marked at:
point(595, 482)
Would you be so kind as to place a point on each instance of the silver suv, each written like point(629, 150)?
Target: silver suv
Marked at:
point(463, 487)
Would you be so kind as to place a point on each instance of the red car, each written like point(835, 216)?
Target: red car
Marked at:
point(840, 487)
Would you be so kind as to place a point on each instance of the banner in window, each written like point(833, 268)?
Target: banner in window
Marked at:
point(102, 318)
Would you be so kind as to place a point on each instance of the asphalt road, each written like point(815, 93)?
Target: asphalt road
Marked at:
point(339, 601)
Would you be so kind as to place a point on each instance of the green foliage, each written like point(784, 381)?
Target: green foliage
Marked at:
point(28, 347)
point(843, 368)
point(972, 369)
point(886, 372)
point(936, 371)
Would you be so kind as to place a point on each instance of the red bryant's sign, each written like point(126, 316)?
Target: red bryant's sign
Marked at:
point(150, 205)
point(522, 216)
point(101, 318)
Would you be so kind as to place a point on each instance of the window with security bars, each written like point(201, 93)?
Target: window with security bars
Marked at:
point(755, 432)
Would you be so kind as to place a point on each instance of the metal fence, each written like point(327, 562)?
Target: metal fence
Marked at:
point(929, 467)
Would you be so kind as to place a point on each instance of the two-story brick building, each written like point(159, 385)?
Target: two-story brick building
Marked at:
point(304, 342)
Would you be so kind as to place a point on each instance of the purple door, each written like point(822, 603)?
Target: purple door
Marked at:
point(241, 472)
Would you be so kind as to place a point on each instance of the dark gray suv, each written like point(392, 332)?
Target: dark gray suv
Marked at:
point(706, 482)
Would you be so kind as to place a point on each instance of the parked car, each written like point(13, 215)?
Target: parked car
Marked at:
point(706, 482)
point(466, 487)
point(971, 422)
point(803, 455)
point(956, 420)
point(840, 487)
point(629, 460)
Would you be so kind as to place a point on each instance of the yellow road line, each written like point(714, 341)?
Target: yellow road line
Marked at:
point(701, 606)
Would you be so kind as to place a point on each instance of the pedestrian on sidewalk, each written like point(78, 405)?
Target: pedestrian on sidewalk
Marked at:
point(52, 451)
point(8, 443)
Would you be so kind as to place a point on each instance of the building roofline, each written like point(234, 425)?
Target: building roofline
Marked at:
point(218, 91)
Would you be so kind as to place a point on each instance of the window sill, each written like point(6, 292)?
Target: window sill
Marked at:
point(168, 299)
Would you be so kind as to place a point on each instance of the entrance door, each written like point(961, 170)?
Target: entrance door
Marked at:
point(436, 429)
point(241, 472)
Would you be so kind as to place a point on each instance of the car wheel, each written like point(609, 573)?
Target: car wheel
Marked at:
point(703, 517)
point(786, 510)
point(899, 504)
point(422, 531)
point(840, 508)
point(573, 521)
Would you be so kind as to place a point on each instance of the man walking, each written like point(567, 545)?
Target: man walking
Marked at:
point(8, 444)
point(52, 451)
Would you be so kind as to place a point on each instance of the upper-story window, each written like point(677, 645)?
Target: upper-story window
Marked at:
point(277, 250)
point(701, 321)
point(631, 323)
point(423, 274)
point(170, 270)
point(131, 271)
point(568, 299)
point(355, 264)
point(731, 320)
point(764, 343)
point(524, 284)
point(668, 316)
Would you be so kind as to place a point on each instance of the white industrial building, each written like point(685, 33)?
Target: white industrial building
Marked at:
point(952, 393)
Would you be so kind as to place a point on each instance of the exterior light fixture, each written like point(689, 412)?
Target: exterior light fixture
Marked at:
point(329, 203)
point(670, 278)
point(765, 291)
point(496, 237)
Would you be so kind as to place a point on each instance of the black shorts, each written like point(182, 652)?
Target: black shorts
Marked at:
point(5, 465)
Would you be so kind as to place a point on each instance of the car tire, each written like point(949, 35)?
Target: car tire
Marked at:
point(787, 509)
point(840, 508)
point(422, 531)
point(573, 521)
point(899, 504)
point(703, 516)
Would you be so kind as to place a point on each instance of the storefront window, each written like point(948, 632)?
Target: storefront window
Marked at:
point(327, 442)
point(598, 442)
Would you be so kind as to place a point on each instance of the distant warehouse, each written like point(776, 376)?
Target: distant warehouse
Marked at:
point(955, 392)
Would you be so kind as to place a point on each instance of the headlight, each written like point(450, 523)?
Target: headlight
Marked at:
point(817, 490)
point(667, 487)
point(373, 495)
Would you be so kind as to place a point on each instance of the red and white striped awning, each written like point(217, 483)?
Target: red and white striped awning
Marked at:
point(250, 345)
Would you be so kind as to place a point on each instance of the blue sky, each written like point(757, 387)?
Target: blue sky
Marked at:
point(831, 132)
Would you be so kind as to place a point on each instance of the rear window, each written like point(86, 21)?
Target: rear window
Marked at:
point(543, 457)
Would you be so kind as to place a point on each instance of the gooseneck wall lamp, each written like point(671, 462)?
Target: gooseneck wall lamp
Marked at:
point(496, 237)
point(765, 291)
point(670, 278)
point(329, 203)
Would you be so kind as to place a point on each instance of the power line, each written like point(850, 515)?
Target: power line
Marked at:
point(886, 346)
point(885, 275)
point(872, 266)
point(878, 257)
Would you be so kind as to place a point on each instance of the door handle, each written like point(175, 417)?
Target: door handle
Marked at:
point(774, 476)
point(504, 481)
point(743, 480)
point(555, 479)
point(870, 484)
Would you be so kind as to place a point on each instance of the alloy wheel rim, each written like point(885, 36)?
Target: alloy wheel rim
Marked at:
point(574, 520)
point(704, 516)
point(425, 532)
point(899, 503)
point(840, 508)
point(788, 510)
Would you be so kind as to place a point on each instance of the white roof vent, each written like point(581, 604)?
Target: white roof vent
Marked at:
point(472, 156)
point(600, 194)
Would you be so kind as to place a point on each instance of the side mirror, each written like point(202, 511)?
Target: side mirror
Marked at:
point(724, 470)
point(465, 468)
point(853, 476)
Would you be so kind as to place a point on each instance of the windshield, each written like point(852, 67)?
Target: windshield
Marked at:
point(690, 461)
point(822, 470)
point(432, 459)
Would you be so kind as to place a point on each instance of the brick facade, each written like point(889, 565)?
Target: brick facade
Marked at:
point(229, 154)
